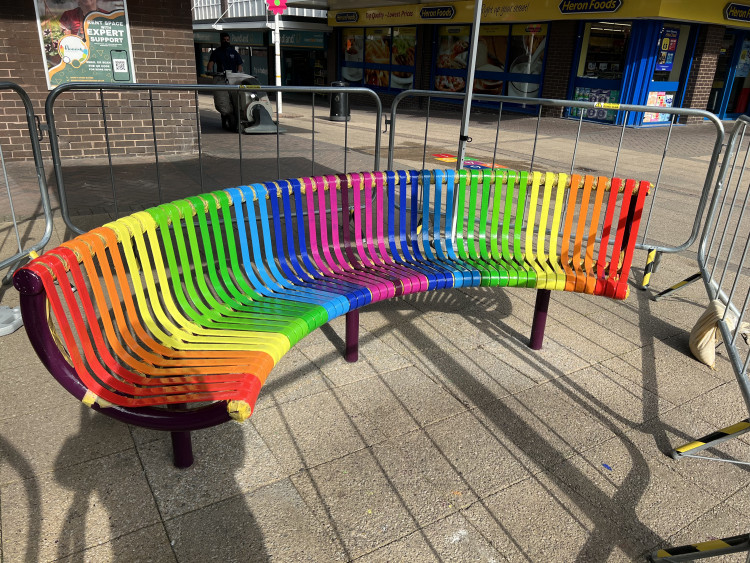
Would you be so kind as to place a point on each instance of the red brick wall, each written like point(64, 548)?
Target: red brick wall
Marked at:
point(163, 52)
point(704, 67)
point(560, 51)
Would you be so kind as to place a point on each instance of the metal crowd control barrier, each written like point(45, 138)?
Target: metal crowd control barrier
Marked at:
point(21, 252)
point(654, 250)
point(150, 89)
point(10, 319)
point(723, 263)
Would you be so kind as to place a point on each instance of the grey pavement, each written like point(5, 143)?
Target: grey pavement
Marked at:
point(449, 440)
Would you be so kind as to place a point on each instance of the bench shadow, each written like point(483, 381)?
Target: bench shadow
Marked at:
point(616, 524)
point(203, 540)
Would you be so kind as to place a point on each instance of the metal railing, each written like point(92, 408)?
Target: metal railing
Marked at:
point(23, 249)
point(654, 174)
point(104, 124)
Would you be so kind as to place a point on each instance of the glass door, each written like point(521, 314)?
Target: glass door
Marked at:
point(721, 85)
point(664, 88)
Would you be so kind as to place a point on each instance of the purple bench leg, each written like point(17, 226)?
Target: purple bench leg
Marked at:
point(183, 449)
point(540, 319)
point(351, 354)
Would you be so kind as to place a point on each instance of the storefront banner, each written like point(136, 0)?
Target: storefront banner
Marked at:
point(408, 14)
point(85, 41)
point(499, 11)
point(253, 38)
point(667, 47)
point(309, 39)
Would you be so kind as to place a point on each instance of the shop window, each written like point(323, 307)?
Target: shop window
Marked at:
point(452, 58)
point(505, 55)
point(721, 76)
point(492, 55)
point(603, 50)
point(673, 40)
point(740, 94)
point(527, 47)
point(380, 57)
point(353, 45)
point(602, 63)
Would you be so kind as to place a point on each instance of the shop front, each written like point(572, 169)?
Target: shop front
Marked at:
point(627, 51)
point(251, 45)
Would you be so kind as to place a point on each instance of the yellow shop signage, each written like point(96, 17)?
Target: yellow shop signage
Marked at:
point(589, 6)
point(437, 13)
point(737, 12)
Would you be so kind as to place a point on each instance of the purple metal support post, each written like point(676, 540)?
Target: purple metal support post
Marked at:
point(540, 318)
point(183, 449)
point(351, 353)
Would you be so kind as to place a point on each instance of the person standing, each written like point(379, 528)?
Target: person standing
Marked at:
point(225, 58)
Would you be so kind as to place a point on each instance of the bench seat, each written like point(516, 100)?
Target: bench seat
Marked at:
point(196, 300)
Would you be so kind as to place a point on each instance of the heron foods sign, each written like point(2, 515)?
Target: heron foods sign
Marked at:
point(589, 6)
point(461, 12)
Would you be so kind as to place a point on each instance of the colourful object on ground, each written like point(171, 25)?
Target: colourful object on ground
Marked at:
point(198, 299)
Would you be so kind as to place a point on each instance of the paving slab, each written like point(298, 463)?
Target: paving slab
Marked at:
point(76, 507)
point(270, 524)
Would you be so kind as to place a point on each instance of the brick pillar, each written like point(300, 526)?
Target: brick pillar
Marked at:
point(706, 56)
point(561, 44)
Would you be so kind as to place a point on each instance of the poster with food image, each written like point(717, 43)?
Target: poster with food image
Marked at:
point(526, 56)
point(377, 51)
point(353, 45)
point(402, 54)
point(453, 53)
point(453, 49)
point(492, 50)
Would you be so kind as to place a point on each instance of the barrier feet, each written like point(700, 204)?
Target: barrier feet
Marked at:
point(351, 353)
point(711, 440)
point(652, 263)
point(711, 548)
point(540, 318)
point(676, 287)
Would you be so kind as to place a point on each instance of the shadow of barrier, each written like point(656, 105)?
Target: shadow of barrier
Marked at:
point(154, 119)
point(10, 319)
point(585, 151)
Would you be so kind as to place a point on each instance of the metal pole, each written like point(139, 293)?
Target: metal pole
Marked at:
point(464, 135)
point(277, 59)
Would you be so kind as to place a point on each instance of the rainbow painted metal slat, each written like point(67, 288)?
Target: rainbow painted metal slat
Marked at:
point(198, 299)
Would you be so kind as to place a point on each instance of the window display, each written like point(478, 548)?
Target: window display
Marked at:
point(492, 52)
point(603, 52)
point(453, 53)
point(602, 95)
point(381, 57)
point(527, 46)
point(377, 52)
point(404, 47)
point(353, 44)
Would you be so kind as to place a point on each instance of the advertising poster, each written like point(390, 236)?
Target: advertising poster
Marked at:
point(667, 47)
point(596, 95)
point(743, 65)
point(85, 41)
point(662, 100)
point(453, 53)
point(492, 50)
point(404, 46)
point(526, 57)
point(377, 51)
point(353, 44)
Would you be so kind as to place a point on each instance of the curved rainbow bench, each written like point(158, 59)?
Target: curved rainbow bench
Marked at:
point(195, 301)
